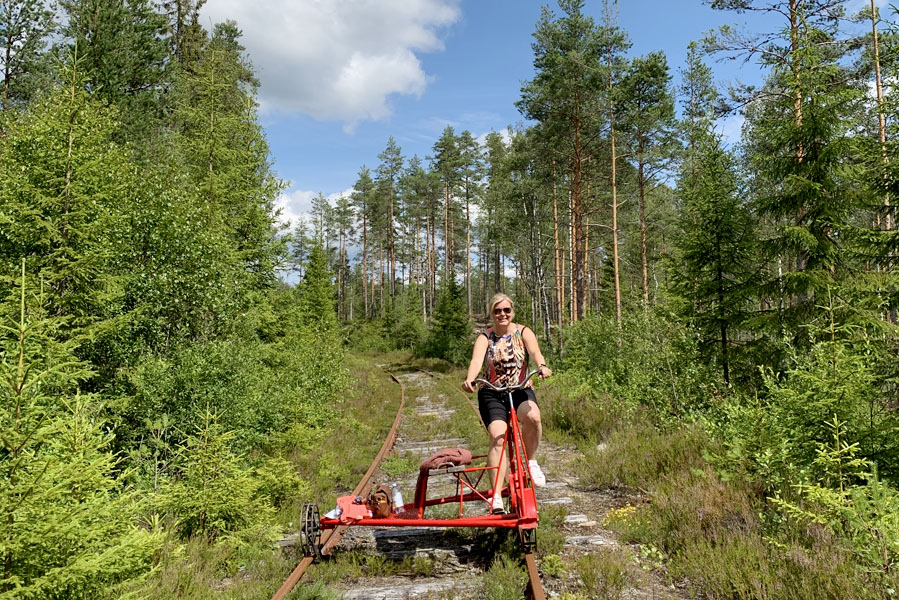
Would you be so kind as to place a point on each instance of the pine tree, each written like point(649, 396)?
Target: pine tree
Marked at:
point(126, 60)
point(389, 171)
point(363, 200)
point(446, 162)
point(25, 26)
point(563, 97)
point(647, 121)
point(471, 163)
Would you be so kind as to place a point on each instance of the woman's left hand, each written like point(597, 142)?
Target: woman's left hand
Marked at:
point(544, 371)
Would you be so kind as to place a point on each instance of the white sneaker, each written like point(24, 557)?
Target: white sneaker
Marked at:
point(537, 475)
point(497, 507)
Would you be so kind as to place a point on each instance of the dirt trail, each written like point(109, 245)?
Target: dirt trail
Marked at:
point(450, 564)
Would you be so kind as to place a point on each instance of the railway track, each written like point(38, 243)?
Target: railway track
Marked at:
point(331, 538)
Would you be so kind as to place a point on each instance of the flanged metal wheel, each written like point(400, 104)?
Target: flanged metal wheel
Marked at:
point(528, 539)
point(311, 538)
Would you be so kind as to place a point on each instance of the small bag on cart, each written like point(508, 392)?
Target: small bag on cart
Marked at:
point(380, 502)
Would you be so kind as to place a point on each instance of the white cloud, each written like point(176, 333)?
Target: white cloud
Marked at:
point(338, 59)
point(731, 128)
point(504, 134)
point(295, 204)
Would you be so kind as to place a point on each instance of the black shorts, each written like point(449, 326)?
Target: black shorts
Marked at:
point(494, 406)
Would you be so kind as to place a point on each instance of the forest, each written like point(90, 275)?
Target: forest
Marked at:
point(721, 316)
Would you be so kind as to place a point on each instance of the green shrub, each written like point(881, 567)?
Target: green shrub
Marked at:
point(605, 574)
point(652, 360)
point(504, 580)
point(639, 456)
point(552, 565)
point(278, 482)
point(211, 493)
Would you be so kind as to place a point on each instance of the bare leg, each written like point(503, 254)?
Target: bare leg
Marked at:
point(531, 427)
point(496, 430)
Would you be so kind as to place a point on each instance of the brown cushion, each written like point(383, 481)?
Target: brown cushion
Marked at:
point(453, 456)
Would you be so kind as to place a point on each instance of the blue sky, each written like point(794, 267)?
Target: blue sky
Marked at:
point(339, 77)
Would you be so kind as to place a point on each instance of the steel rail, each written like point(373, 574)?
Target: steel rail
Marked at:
point(331, 537)
point(534, 590)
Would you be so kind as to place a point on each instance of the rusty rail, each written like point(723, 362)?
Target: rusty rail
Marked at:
point(534, 589)
point(331, 537)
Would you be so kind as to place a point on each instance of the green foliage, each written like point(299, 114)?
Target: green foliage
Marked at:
point(70, 528)
point(450, 334)
point(715, 262)
point(504, 580)
point(552, 565)
point(317, 292)
point(656, 363)
point(854, 504)
point(59, 182)
point(131, 79)
point(278, 482)
point(605, 574)
point(210, 493)
point(26, 26)
point(777, 437)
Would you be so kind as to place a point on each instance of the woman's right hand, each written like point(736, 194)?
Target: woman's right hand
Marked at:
point(468, 386)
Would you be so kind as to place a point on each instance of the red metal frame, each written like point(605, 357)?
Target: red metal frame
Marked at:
point(519, 491)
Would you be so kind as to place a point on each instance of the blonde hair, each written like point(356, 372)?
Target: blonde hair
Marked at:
point(497, 298)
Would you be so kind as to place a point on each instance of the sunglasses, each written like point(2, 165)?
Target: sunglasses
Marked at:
point(499, 311)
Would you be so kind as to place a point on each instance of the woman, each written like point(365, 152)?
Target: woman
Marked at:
point(506, 347)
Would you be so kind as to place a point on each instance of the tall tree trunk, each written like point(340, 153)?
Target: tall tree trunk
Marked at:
point(467, 246)
point(577, 228)
point(446, 230)
point(615, 264)
point(364, 264)
point(391, 247)
point(557, 258)
point(643, 260)
point(719, 282)
point(587, 285)
point(572, 299)
point(881, 118)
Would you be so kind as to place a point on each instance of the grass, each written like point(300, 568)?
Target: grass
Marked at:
point(245, 568)
point(720, 535)
point(505, 580)
point(605, 575)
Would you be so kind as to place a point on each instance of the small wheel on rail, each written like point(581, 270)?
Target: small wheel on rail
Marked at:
point(528, 539)
point(311, 533)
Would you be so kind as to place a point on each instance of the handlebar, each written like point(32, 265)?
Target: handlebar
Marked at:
point(508, 388)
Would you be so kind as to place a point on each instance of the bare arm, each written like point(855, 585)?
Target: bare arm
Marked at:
point(533, 348)
point(477, 359)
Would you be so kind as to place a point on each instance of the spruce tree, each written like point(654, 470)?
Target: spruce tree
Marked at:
point(60, 183)
point(316, 292)
point(69, 529)
point(713, 272)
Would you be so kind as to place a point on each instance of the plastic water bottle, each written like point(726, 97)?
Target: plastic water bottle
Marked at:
point(334, 513)
point(397, 499)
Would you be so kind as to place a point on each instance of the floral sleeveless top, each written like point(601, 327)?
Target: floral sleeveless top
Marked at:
point(506, 358)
